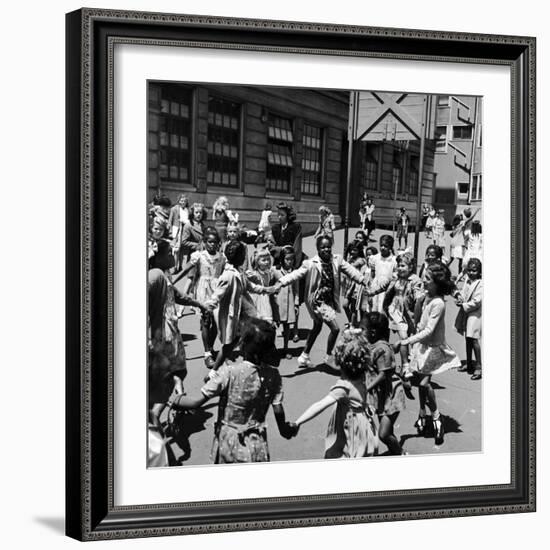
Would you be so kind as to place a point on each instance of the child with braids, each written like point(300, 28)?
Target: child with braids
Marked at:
point(351, 430)
point(430, 353)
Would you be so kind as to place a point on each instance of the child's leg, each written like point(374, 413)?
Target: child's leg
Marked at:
point(286, 332)
point(430, 396)
point(477, 351)
point(295, 336)
point(312, 336)
point(333, 336)
point(469, 349)
point(386, 435)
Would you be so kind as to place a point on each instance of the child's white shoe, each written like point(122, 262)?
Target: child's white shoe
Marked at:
point(304, 360)
point(329, 361)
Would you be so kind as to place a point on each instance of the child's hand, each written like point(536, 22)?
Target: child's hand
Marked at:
point(178, 385)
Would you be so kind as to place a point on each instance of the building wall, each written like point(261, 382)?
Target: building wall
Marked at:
point(458, 157)
point(328, 110)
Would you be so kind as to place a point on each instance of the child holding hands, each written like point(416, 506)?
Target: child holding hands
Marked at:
point(351, 431)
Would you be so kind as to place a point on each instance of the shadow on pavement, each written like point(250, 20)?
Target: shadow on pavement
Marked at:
point(326, 369)
point(183, 425)
point(450, 426)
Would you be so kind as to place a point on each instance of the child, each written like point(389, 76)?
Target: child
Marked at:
point(457, 241)
point(384, 264)
point(402, 223)
point(235, 233)
point(287, 299)
point(474, 243)
point(222, 216)
point(264, 227)
point(430, 353)
point(351, 430)
point(384, 387)
point(438, 230)
point(361, 239)
point(208, 264)
point(322, 275)
point(326, 223)
point(263, 274)
point(430, 221)
point(231, 300)
point(468, 320)
point(354, 256)
point(363, 302)
point(399, 305)
point(246, 391)
point(434, 254)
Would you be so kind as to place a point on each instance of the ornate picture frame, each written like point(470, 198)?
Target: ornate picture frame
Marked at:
point(90, 506)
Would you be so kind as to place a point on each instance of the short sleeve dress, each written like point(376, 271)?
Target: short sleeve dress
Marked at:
point(208, 268)
point(388, 397)
point(352, 432)
point(246, 392)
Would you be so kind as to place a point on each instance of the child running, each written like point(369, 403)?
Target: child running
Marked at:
point(322, 274)
point(384, 386)
point(468, 320)
point(208, 264)
point(430, 352)
point(288, 299)
point(247, 390)
point(351, 430)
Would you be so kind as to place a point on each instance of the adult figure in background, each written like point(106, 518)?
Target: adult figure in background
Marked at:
point(402, 221)
point(425, 214)
point(287, 232)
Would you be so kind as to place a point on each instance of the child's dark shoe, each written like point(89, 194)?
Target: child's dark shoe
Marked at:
point(438, 431)
point(420, 425)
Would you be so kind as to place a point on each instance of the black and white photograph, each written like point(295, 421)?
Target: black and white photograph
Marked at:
point(315, 273)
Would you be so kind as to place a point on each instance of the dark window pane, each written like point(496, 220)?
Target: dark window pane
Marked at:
point(311, 160)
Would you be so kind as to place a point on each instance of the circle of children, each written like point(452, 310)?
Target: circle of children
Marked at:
point(242, 300)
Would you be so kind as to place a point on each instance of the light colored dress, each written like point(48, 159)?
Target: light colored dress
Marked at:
point(208, 267)
point(430, 353)
point(388, 397)
point(468, 319)
point(352, 431)
point(247, 391)
point(384, 269)
point(474, 247)
point(399, 302)
point(439, 232)
point(266, 305)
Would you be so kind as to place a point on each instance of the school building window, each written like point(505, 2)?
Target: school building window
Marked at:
point(476, 187)
point(413, 176)
point(441, 138)
point(462, 132)
point(463, 188)
point(224, 124)
point(370, 156)
point(443, 100)
point(175, 133)
point(311, 160)
point(397, 173)
point(280, 162)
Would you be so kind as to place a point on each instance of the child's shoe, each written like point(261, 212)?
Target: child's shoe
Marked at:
point(420, 425)
point(304, 360)
point(438, 431)
point(208, 359)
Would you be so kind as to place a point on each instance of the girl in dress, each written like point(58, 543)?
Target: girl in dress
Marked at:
point(359, 293)
point(468, 320)
point(264, 274)
point(351, 430)
point(384, 385)
point(322, 274)
point(326, 223)
point(208, 265)
point(430, 353)
point(230, 300)
point(457, 241)
point(264, 227)
point(361, 239)
point(430, 221)
point(247, 389)
point(399, 306)
point(354, 256)
point(222, 215)
point(384, 264)
point(235, 233)
point(434, 254)
point(474, 243)
point(287, 299)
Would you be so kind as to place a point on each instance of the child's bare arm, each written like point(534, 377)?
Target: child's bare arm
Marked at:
point(316, 409)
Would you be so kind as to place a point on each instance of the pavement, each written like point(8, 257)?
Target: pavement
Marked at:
point(459, 398)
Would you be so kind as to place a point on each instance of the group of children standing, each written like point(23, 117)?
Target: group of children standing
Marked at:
point(379, 292)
